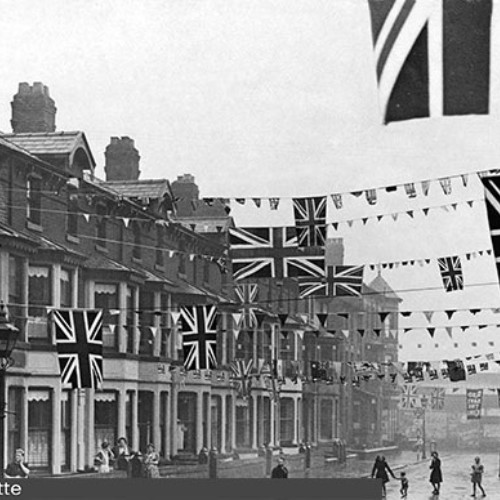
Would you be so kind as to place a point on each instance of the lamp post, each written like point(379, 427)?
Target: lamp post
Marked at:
point(8, 337)
point(424, 401)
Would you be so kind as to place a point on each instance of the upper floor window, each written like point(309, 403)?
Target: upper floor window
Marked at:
point(136, 251)
point(34, 200)
point(72, 218)
point(101, 227)
point(106, 298)
point(66, 288)
point(39, 289)
point(160, 242)
point(206, 271)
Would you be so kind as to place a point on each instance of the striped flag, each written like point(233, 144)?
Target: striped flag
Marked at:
point(432, 57)
point(78, 335)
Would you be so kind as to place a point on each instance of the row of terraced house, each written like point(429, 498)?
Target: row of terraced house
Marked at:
point(139, 249)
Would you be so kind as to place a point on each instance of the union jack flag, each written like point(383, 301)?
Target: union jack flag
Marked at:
point(492, 195)
point(437, 399)
point(409, 398)
point(199, 337)
point(78, 337)
point(432, 56)
point(339, 281)
point(247, 295)
point(241, 371)
point(451, 273)
point(272, 253)
point(310, 221)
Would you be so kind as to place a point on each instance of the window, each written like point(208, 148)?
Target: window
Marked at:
point(16, 281)
point(286, 420)
point(106, 298)
point(244, 345)
point(66, 288)
point(147, 321)
point(101, 226)
point(326, 419)
point(136, 250)
point(14, 419)
point(65, 429)
point(165, 328)
point(39, 290)
point(105, 418)
point(34, 200)
point(39, 428)
point(160, 243)
point(206, 271)
point(73, 211)
point(264, 344)
point(131, 323)
point(182, 259)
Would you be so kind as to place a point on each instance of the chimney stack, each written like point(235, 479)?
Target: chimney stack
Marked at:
point(185, 188)
point(122, 160)
point(33, 110)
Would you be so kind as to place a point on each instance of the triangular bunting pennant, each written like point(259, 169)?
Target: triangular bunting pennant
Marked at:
point(86, 216)
point(257, 202)
point(361, 332)
point(450, 313)
point(377, 331)
point(260, 318)
point(274, 203)
point(425, 187)
point(383, 316)
point(431, 331)
point(126, 221)
point(175, 317)
point(322, 318)
point(283, 318)
point(346, 333)
point(237, 318)
point(449, 331)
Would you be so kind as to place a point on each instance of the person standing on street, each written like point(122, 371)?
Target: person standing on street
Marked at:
point(436, 475)
point(379, 471)
point(280, 471)
point(151, 461)
point(477, 476)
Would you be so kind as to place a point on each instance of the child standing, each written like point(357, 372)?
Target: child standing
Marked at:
point(404, 485)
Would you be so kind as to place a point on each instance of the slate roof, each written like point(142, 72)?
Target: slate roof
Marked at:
point(147, 188)
point(14, 147)
point(102, 262)
point(50, 143)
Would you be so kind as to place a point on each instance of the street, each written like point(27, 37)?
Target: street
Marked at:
point(456, 479)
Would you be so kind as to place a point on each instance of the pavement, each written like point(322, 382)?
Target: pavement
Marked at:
point(456, 469)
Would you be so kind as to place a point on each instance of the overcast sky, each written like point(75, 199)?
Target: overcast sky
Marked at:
point(262, 98)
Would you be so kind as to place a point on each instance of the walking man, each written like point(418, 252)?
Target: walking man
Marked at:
point(280, 471)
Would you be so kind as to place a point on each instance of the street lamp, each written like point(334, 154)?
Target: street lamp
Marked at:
point(8, 337)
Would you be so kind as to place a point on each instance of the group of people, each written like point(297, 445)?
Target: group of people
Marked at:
point(381, 470)
point(122, 458)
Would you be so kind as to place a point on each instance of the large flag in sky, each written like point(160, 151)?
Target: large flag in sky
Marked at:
point(272, 252)
point(199, 337)
point(78, 335)
point(338, 281)
point(492, 197)
point(432, 57)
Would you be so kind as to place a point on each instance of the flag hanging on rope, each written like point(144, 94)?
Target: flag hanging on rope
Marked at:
point(409, 397)
point(437, 398)
point(199, 337)
point(310, 221)
point(492, 199)
point(265, 252)
point(339, 281)
point(78, 335)
point(451, 273)
point(241, 371)
point(247, 295)
point(432, 57)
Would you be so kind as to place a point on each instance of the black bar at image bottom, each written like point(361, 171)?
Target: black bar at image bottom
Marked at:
point(195, 489)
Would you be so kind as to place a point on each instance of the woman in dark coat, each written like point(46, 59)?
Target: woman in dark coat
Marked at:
point(436, 475)
point(379, 471)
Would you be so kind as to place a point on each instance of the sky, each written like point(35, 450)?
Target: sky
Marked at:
point(268, 98)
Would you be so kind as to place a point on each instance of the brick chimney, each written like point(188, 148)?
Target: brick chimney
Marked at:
point(122, 160)
point(185, 188)
point(33, 110)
